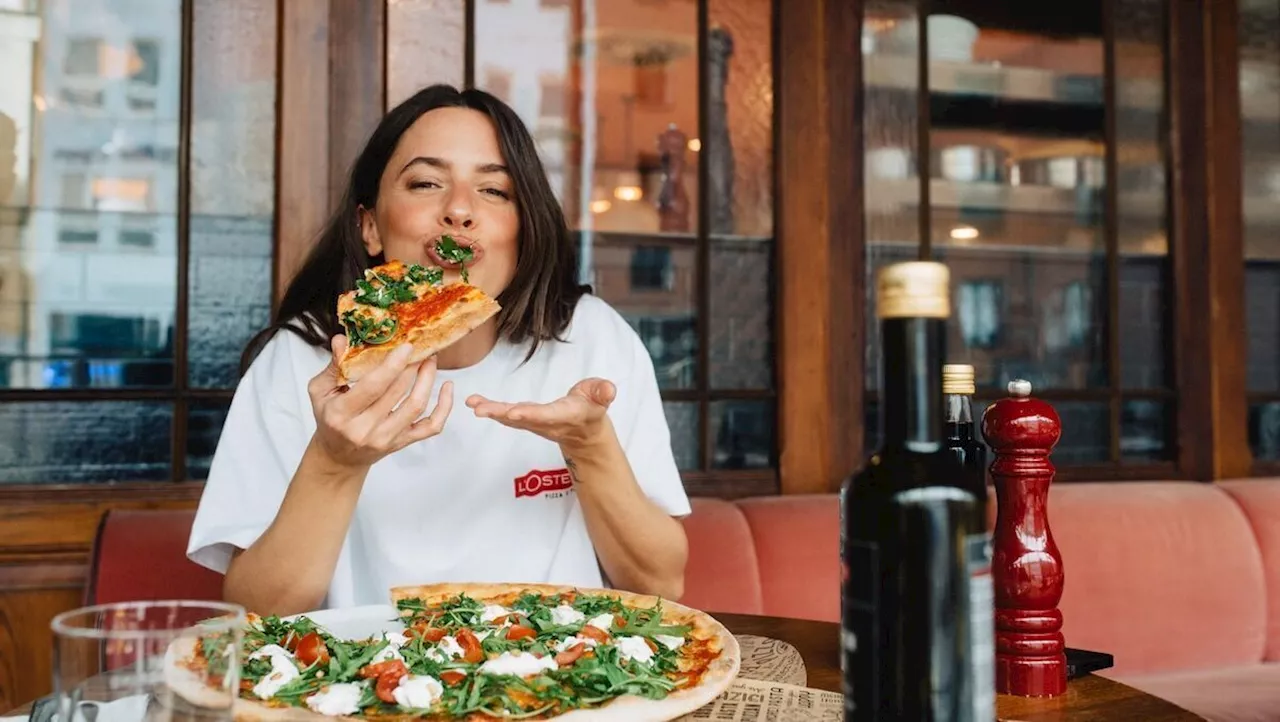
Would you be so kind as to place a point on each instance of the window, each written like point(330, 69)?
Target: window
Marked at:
point(498, 82)
point(74, 190)
point(84, 56)
point(978, 311)
point(551, 98)
point(690, 267)
point(1045, 198)
point(671, 343)
point(137, 239)
point(1260, 95)
point(651, 269)
point(77, 238)
point(119, 358)
point(121, 194)
point(144, 65)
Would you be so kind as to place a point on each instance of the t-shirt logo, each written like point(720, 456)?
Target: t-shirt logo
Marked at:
point(541, 482)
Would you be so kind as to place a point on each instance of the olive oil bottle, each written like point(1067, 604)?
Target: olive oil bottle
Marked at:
point(909, 524)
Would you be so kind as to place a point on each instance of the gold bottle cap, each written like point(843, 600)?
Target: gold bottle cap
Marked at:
point(958, 379)
point(915, 289)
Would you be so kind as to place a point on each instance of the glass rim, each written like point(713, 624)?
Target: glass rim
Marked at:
point(60, 624)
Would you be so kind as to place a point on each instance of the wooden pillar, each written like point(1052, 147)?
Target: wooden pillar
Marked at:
point(357, 83)
point(1207, 239)
point(332, 89)
point(820, 245)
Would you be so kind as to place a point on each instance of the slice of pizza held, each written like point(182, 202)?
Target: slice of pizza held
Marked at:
point(399, 303)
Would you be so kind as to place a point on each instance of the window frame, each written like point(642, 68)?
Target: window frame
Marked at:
point(1203, 274)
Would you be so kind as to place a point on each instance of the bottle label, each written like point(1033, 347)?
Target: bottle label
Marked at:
point(982, 626)
point(859, 628)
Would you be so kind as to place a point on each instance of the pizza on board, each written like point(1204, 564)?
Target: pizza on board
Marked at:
point(397, 303)
point(483, 652)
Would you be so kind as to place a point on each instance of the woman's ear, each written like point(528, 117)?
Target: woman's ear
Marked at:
point(369, 231)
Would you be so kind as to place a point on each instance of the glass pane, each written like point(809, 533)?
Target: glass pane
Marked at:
point(890, 144)
point(652, 286)
point(204, 425)
point(1262, 313)
point(232, 184)
point(741, 325)
point(1144, 304)
point(89, 101)
point(1260, 126)
point(1086, 433)
point(1264, 431)
point(1146, 429)
point(1029, 314)
point(610, 91)
point(742, 432)
point(426, 44)
point(739, 148)
point(1016, 190)
point(78, 442)
point(1141, 214)
point(686, 434)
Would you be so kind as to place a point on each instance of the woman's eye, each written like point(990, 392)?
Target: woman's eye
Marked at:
point(423, 184)
point(497, 192)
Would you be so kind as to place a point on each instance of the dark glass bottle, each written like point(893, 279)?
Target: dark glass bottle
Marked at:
point(961, 432)
point(908, 527)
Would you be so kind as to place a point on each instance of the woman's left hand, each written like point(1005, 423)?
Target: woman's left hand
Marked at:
point(575, 418)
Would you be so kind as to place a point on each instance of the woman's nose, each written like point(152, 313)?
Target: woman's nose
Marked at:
point(457, 211)
point(458, 219)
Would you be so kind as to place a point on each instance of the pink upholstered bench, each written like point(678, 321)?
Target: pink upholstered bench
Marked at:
point(1180, 581)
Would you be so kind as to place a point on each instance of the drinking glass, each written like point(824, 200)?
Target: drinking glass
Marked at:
point(130, 662)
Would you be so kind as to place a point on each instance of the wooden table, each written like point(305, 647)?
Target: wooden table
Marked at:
point(1091, 697)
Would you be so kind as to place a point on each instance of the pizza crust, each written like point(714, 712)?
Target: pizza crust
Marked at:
point(461, 318)
point(186, 682)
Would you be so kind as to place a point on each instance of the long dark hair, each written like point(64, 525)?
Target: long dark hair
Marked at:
point(537, 305)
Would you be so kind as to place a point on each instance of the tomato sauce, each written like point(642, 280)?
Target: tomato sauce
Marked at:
point(428, 307)
point(415, 313)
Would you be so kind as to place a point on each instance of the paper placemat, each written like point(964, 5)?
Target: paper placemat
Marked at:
point(770, 688)
point(770, 660)
point(750, 700)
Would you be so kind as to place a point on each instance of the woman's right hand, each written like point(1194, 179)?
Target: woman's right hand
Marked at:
point(358, 425)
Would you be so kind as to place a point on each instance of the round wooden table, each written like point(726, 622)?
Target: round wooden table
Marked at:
point(1090, 697)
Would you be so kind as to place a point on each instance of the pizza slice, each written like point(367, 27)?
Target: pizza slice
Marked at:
point(406, 303)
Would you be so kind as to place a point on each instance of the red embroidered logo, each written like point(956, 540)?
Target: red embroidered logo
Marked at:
point(540, 482)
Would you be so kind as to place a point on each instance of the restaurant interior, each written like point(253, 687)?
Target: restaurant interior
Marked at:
point(1101, 178)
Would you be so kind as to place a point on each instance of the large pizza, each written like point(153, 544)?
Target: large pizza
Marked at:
point(481, 652)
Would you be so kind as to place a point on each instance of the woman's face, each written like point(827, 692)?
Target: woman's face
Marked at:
point(447, 176)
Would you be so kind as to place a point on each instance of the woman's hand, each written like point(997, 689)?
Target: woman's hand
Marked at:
point(358, 425)
point(576, 418)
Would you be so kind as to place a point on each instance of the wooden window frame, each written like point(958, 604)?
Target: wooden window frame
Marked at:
point(822, 419)
point(819, 247)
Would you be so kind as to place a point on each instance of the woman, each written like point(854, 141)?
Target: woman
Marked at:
point(558, 469)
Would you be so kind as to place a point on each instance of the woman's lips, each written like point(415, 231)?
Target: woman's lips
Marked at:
point(477, 252)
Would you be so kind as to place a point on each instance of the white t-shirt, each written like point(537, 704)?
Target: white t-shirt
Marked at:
point(480, 502)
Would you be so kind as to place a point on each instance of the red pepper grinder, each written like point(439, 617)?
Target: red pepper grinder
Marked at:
point(1026, 566)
